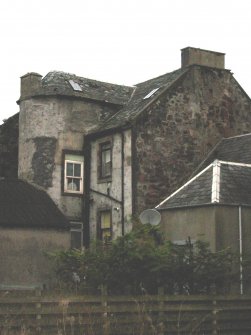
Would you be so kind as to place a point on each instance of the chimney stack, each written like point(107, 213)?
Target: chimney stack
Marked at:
point(30, 84)
point(191, 56)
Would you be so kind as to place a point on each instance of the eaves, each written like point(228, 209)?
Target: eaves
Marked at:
point(216, 204)
point(70, 97)
point(104, 132)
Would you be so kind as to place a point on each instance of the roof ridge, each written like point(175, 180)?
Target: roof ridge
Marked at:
point(231, 137)
point(86, 78)
point(160, 76)
point(235, 163)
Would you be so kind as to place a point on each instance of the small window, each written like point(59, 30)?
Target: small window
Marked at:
point(76, 235)
point(105, 160)
point(75, 85)
point(73, 174)
point(151, 93)
point(105, 226)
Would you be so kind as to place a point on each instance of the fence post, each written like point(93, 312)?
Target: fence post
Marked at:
point(214, 318)
point(38, 310)
point(106, 324)
point(161, 325)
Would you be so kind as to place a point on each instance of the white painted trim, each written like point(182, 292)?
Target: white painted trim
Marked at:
point(229, 138)
point(186, 184)
point(215, 197)
point(235, 164)
point(81, 178)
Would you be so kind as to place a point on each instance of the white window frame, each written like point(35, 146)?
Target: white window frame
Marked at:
point(81, 178)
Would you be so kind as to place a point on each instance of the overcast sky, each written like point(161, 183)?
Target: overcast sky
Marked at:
point(123, 42)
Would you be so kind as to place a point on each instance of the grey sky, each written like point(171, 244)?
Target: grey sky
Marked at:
point(123, 42)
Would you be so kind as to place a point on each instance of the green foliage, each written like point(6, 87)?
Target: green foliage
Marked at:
point(142, 261)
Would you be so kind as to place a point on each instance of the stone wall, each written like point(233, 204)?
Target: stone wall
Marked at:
point(9, 147)
point(176, 132)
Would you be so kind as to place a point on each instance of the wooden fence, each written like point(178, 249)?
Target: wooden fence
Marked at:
point(27, 313)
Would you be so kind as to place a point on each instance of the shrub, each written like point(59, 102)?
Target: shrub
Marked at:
point(141, 261)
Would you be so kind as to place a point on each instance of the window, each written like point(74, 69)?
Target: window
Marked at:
point(76, 235)
point(75, 85)
point(105, 160)
point(151, 93)
point(73, 174)
point(105, 226)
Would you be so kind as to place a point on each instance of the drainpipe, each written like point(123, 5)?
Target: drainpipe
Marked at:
point(241, 250)
point(122, 183)
point(86, 209)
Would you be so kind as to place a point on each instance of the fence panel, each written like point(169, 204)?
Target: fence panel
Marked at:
point(46, 314)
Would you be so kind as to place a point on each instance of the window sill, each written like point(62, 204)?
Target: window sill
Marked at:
point(104, 180)
point(71, 194)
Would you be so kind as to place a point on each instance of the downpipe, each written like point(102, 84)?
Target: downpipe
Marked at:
point(240, 250)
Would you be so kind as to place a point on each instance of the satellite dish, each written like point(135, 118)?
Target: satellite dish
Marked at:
point(150, 216)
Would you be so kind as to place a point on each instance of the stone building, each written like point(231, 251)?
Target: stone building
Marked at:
point(154, 143)
point(105, 152)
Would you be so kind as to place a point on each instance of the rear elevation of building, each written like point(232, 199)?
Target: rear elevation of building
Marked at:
point(105, 152)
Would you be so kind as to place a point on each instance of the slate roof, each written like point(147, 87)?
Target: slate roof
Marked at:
point(235, 186)
point(233, 149)
point(220, 182)
point(23, 205)
point(137, 103)
point(59, 83)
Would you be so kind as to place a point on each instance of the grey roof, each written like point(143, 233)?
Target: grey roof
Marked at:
point(23, 205)
point(235, 185)
point(220, 182)
point(233, 149)
point(137, 103)
point(59, 83)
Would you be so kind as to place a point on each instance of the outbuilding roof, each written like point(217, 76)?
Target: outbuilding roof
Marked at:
point(220, 182)
point(232, 149)
point(23, 205)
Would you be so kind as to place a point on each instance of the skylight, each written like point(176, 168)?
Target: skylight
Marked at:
point(151, 93)
point(75, 86)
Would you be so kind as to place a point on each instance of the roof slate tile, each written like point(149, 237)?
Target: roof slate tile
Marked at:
point(137, 103)
point(57, 82)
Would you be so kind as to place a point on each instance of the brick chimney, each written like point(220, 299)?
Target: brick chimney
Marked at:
point(190, 56)
point(30, 84)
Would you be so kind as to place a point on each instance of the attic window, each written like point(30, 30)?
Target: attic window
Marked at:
point(151, 93)
point(75, 86)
